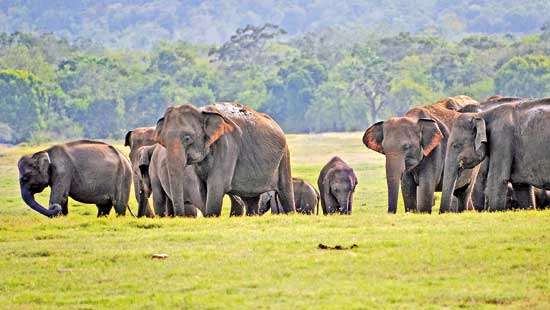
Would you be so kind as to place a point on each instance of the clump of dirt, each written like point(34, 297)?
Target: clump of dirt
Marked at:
point(336, 247)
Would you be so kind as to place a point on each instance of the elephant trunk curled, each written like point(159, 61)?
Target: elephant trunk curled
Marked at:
point(28, 198)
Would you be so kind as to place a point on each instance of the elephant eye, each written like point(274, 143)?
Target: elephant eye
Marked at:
point(456, 146)
point(187, 140)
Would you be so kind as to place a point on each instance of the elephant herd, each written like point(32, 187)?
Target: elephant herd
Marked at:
point(187, 163)
point(491, 156)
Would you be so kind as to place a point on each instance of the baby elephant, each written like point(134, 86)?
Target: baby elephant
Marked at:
point(154, 180)
point(337, 183)
point(306, 199)
point(87, 171)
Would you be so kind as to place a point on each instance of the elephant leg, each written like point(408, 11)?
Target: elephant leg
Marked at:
point(462, 199)
point(285, 190)
point(497, 184)
point(251, 205)
point(237, 206)
point(478, 191)
point(159, 200)
point(425, 194)
point(59, 194)
point(331, 204)
point(524, 196)
point(104, 209)
point(408, 190)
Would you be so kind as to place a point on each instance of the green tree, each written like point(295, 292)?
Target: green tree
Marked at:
point(527, 76)
point(22, 104)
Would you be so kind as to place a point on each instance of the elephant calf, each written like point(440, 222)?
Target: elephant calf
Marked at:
point(337, 182)
point(306, 199)
point(154, 180)
point(87, 171)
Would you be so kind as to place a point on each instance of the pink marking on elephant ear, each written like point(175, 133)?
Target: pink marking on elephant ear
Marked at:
point(433, 144)
point(373, 137)
point(215, 125)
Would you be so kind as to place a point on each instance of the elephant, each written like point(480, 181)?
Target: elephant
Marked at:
point(135, 139)
point(87, 171)
point(336, 182)
point(234, 150)
point(154, 180)
point(306, 199)
point(414, 146)
point(514, 138)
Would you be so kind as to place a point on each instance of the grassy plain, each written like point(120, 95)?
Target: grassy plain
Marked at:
point(468, 260)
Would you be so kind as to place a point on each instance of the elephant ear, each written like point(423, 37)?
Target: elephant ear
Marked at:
point(430, 135)
point(158, 130)
point(128, 138)
point(216, 125)
point(481, 133)
point(373, 137)
point(43, 162)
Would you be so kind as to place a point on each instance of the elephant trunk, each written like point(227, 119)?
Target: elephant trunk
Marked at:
point(177, 160)
point(450, 176)
point(395, 166)
point(144, 191)
point(28, 198)
point(345, 203)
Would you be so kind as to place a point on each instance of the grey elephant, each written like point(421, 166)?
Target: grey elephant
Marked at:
point(414, 146)
point(87, 171)
point(514, 138)
point(306, 199)
point(478, 191)
point(135, 139)
point(154, 180)
point(336, 182)
point(234, 149)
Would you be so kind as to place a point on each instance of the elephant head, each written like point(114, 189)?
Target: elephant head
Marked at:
point(466, 148)
point(188, 134)
point(34, 177)
point(405, 142)
point(342, 188)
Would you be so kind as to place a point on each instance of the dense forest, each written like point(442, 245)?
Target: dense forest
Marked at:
point(79, 82)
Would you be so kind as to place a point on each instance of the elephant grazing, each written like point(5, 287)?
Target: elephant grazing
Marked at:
point(414, 146)
point(514, 138)
point(234, 149)
point(135, 139)
point(87, 171)
point(336, 182)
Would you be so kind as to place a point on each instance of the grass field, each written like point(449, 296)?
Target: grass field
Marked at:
point(468, 260)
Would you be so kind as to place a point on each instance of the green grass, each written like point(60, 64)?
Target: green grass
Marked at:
point(466, 260)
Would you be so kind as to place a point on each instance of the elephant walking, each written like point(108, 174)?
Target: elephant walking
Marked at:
point(234, 149)
point(414, 146)
point(514, 138)
point(337, 182)
point(87, 171)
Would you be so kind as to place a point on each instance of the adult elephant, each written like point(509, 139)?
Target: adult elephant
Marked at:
point(514, 138)
point(414, 146)
point(154, 180)
point(136, 138)
point(234, 149)
point(87, 171)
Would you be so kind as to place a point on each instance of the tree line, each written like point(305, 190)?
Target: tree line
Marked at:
point(328, 80)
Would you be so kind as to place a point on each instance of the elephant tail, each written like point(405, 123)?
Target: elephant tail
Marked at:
point(318, 200)
point(130, 210)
